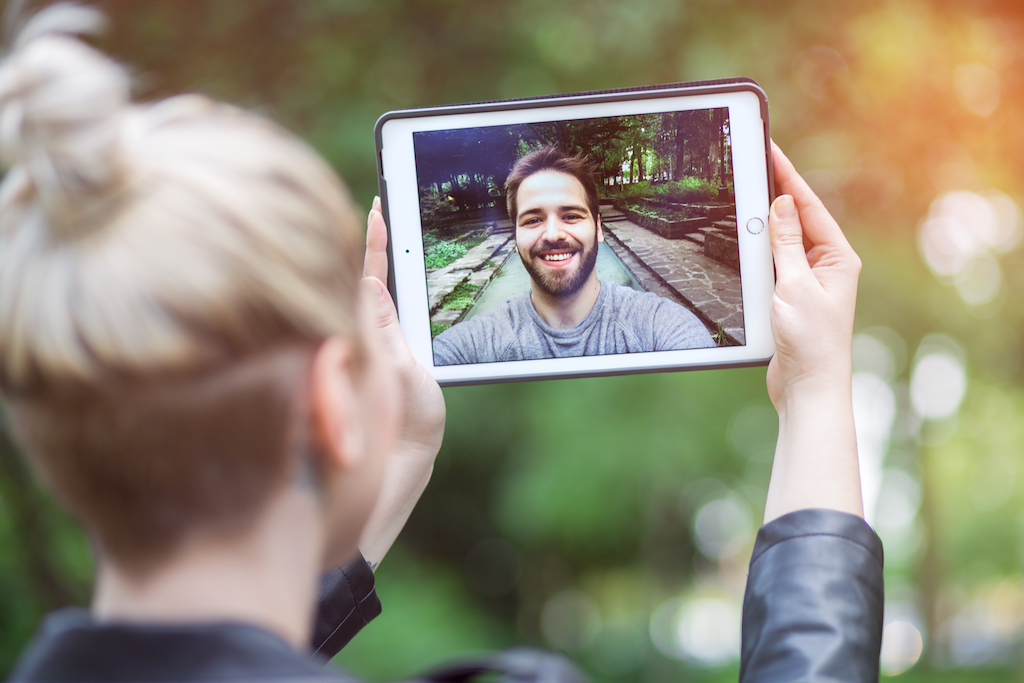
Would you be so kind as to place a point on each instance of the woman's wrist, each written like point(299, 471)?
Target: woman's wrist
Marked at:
point(816, 462)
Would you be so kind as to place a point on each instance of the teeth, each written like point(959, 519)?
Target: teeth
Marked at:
point(557, 257)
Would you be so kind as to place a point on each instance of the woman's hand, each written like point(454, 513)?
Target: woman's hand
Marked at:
point(809, 378)
point(423, 411)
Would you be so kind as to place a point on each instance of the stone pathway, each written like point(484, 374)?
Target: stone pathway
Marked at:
point(678, 268)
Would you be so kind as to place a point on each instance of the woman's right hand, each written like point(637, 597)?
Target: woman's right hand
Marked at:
point(809, 378)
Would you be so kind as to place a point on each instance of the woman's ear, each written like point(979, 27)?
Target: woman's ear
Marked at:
point(335, 408)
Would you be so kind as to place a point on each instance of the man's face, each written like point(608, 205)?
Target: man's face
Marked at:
point(556, 234)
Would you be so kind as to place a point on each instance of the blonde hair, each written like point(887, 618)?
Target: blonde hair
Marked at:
point(146, 245)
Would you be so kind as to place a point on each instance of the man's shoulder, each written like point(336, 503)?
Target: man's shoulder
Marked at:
point(670, 324)
point(497, 319)
point(623, 298)
point(482, 338)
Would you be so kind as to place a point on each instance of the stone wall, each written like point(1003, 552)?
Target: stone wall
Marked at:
point(723, 248)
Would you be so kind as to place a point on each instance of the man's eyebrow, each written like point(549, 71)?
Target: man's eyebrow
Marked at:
point(567, 207)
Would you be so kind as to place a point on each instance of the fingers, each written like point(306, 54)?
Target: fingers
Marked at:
point(375, 262)
point(787, 238)
point(818, 225)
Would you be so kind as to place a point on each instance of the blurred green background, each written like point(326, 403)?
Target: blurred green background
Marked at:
point(613, 518)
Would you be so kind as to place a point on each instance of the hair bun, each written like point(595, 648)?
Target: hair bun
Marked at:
point(61, 103)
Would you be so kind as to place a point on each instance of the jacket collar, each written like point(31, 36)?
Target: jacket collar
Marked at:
point(71, 646)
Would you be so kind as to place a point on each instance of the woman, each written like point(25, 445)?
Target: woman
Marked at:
point(202, 376)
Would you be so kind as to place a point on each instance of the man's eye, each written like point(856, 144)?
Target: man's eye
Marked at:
point(572, 217)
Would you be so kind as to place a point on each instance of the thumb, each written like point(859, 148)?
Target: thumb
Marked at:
point(786, 235)
point(381, 308)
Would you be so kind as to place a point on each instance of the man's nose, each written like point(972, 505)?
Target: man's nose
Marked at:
point(553, 229)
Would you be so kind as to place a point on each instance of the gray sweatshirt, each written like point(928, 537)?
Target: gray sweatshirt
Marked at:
point(623, 320)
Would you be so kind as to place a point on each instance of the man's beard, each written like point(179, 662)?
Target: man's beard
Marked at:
point(554, 282)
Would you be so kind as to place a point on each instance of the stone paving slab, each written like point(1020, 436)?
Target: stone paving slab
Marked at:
point(446, 317)
point(708, 288)
point(477, 266)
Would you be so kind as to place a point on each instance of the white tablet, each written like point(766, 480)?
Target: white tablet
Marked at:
point(578, 235)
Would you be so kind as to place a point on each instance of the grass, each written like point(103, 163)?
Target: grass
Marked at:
point(687, 190)
point(463, 296)
point(719, 336)
point(439, 253)
point(442, 253)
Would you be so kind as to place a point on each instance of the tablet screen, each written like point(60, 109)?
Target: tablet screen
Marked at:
point(581, 237)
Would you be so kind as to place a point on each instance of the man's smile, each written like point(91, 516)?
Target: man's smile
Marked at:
point(557, 256)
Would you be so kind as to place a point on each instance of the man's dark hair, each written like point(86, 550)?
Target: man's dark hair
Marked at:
point(579, 166)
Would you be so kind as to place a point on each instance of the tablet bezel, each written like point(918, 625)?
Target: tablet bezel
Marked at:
point(754, 190)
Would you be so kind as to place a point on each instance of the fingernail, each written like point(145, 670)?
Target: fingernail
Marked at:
point(785, 207)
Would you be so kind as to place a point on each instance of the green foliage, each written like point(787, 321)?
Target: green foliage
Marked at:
point(641, 209)
point(430, 611)
point(45, 561)
point(687, 190)
point(463, 296)
point(632, 191)
point(439, 252)
point(551, 437)
point(442, 252)
point(720, 337)
point(473, 240)
point(437, 328)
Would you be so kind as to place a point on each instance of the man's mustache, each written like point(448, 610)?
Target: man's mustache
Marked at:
point(553, 246)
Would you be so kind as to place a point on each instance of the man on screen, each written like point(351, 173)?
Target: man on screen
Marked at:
point(552, 200)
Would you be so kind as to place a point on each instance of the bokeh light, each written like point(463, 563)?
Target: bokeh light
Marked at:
point(977, 88)
point(895, 515)
point(902, 646)
point(723, 527)
point(961, 237)
point(986, 628)
point(705, 630)
point(874, 412)
point(938, 383)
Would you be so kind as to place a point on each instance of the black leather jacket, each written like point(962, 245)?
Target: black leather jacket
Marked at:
point(812, 613)
point(813, 606)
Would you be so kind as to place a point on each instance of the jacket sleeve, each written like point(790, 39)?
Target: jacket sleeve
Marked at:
point(347, 601)
point(813, 605)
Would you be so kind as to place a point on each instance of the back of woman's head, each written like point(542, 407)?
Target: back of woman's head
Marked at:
point(155, 261)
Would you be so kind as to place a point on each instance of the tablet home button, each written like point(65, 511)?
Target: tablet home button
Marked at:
point(755, 226)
